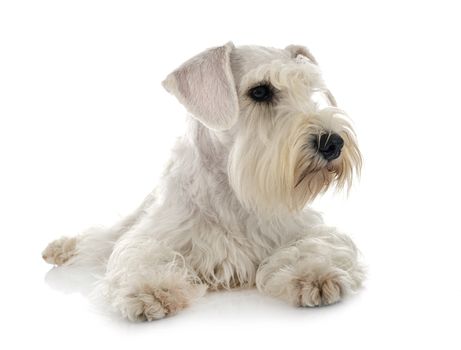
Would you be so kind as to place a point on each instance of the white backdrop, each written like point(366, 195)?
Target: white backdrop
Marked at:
point(85, 128)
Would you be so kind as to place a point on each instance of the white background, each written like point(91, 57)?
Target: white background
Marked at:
point(86, 128)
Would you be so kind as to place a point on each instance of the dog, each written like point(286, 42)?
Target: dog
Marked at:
point(264, 138)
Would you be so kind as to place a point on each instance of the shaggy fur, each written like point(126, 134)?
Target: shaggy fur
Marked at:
point(231, 209)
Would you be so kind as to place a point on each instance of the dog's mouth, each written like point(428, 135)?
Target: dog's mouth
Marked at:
point(331, 166)
point(318, 166)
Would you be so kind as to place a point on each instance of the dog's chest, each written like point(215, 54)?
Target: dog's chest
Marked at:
point(225, 257)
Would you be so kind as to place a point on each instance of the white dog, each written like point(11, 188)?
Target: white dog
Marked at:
point(231, 209)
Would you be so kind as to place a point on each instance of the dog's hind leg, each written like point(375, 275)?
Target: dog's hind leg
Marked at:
point(94, 246)
point(147, 280)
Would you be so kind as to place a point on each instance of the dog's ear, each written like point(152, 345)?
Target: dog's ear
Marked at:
point(205, 86)
point(296, 50)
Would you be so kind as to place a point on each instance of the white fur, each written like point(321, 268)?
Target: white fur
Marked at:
point(231, 209)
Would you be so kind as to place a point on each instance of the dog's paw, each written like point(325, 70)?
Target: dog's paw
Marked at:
point(150, 303)
point(314, 290)
point(143, 307)
point(60, 251)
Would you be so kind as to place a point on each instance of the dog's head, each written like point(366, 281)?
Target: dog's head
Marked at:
point(285, 147)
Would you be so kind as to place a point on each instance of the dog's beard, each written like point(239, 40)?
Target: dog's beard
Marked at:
point(314, 175)
point(281, 170)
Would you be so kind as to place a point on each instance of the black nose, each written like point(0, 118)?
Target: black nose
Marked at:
point(329, 145)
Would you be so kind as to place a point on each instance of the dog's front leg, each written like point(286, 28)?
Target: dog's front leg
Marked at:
point(316, 270)
point(146, 280)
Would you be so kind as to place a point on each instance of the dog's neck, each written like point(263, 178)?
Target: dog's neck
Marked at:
point(197, 173)
point(212, 148)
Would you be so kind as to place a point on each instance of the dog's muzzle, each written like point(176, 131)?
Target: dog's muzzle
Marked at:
point(329, 146)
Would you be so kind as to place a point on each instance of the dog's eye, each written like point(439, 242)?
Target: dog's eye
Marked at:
point(261, 93)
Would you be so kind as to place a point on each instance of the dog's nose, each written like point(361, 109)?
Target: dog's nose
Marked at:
point(329, 145)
